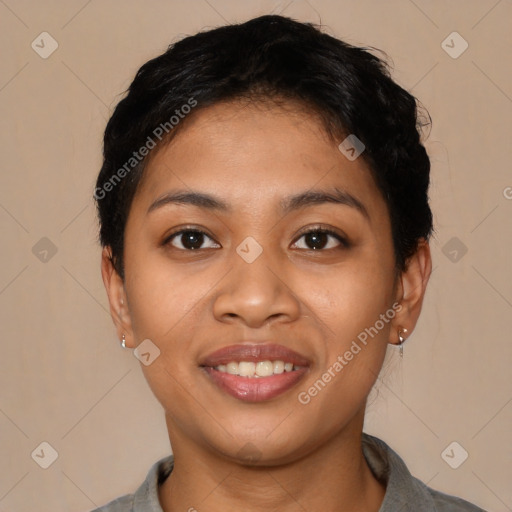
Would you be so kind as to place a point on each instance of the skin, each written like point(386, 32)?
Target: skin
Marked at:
point(193, 302)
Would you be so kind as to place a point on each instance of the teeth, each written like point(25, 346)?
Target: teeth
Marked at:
point(246, 369)
point(256, 370)
point(264, 369)
point(278, 367)
point(232, 368)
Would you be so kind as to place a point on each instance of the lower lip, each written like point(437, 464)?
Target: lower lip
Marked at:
point(252, 389)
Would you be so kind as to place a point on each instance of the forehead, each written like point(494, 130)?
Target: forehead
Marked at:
point(254, 152)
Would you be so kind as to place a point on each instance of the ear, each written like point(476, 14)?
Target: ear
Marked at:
point(411, 287)
point(119, 309)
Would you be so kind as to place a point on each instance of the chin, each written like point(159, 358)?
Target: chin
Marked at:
point(261, 447)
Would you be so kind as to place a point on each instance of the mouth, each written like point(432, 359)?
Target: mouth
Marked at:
point(255, 373)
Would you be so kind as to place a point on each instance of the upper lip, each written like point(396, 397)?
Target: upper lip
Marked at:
point(254, 352)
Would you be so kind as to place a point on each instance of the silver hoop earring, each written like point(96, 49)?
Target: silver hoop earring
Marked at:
point(401, 340)
point(123, 341)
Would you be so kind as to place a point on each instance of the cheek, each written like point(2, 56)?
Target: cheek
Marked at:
point(163, 298)
point(351, 357)
point(167, 306)
point(355, 306)
point(349, 300)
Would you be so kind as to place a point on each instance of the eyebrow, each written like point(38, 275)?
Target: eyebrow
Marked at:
point(193, 198)
point(288, 204)
point(313, 197)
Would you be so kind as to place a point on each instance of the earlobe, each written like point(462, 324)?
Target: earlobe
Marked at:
point(116, 293)
point(412, 286)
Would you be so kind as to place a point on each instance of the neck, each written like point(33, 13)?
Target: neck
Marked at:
point(335, 476)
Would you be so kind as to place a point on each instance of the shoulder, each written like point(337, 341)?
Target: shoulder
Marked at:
point(445, 502)
point(404, 492)
point(122, 504)
point(145, 499)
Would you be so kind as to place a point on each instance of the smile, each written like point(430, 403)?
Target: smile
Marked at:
point(255, 373)
point(256, 369)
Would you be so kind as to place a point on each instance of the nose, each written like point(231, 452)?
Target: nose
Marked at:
point(256, 294)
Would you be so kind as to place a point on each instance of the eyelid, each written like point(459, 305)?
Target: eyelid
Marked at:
point(183, 229)
point(320, 228)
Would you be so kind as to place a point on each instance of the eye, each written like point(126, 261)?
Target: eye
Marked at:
point(190, 240)
point(320, 238)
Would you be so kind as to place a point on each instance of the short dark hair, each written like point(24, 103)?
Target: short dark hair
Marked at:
point(271, 57)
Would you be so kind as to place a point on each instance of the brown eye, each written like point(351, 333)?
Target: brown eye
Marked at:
point(191, 240)
point(318, 239)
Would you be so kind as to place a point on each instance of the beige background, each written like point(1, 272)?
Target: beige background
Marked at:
point(63, 376)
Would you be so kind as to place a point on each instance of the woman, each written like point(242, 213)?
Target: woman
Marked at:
point(265, 222)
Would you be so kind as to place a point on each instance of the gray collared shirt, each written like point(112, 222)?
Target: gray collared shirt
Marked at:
point(404, 493)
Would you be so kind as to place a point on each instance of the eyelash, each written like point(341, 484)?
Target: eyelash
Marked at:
point(344, 244)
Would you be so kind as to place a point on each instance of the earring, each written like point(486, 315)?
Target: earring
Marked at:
point(123, 341)
point(401, 339)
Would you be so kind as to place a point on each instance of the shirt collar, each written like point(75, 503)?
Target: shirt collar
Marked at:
point(404, 493)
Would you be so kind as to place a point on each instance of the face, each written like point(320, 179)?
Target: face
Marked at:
point(259, 260)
